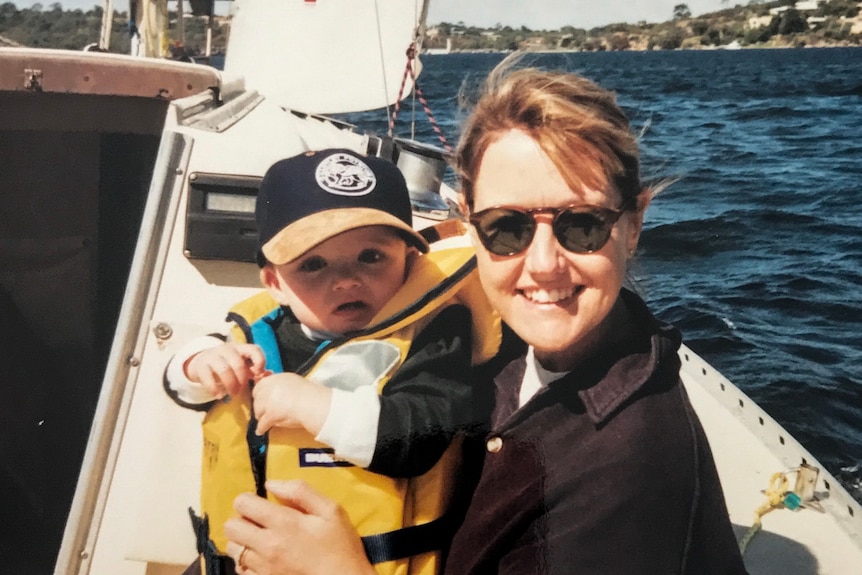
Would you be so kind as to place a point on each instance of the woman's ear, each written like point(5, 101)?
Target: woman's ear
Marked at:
point(462, 205)
point(643, 200)
point(637, 220)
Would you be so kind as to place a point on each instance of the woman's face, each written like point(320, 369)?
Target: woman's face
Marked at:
point(554, 299)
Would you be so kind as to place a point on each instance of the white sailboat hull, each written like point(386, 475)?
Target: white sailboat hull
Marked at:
point(749, 447)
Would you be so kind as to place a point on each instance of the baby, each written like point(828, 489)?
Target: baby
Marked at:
point(360, 351)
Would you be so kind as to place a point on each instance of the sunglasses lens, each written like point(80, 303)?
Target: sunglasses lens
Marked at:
point(582, 232)
point(504, 232)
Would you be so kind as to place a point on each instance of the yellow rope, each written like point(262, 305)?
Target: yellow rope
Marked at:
point(775, 494)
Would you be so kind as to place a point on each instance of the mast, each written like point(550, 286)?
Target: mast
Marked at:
point(421, 25)
point(181, 24)
point(151, 18)
point(107, 22)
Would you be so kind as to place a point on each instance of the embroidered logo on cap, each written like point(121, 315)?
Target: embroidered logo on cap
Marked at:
point(345, 175)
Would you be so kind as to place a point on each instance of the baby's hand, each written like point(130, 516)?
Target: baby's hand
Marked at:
point(226, 369)
point(290, 400)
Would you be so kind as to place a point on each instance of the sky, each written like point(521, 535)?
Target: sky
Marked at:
point(534, 14)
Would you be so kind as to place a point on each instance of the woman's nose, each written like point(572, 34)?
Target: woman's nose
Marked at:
point(543, 253)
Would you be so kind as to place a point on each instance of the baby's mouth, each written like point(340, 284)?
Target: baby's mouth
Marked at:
point(352, 306)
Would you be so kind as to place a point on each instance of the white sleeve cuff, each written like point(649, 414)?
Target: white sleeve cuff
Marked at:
point(351, 425)
point(186, 390)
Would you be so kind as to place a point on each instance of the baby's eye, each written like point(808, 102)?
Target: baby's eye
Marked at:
point(370, 256)
point(313, 264)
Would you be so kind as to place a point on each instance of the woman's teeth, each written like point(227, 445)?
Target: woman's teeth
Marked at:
point(549, 296)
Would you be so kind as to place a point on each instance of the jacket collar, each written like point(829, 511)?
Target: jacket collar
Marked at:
point(606, 381)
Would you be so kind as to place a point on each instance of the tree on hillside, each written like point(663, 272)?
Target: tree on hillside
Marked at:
point(711, 37)
point(671, 39)
point(846, 8)
point(618, 41)
point(681, 11)
point(791, 22)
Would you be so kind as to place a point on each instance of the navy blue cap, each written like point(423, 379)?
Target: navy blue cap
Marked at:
point(307, 199)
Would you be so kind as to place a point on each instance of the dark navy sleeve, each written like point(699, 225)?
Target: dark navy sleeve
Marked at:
point(428, 400)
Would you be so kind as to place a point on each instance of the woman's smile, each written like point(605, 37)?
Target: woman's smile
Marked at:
point(561, 296)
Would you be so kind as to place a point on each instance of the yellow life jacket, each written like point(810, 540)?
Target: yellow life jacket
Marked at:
point(235, 460)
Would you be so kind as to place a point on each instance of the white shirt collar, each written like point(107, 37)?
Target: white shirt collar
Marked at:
point(317, 335)
point(536, 377)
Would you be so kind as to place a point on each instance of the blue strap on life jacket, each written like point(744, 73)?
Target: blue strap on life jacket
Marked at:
point(262, 334)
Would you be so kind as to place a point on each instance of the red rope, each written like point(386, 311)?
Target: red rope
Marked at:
point(411, 53)
point(407, 70)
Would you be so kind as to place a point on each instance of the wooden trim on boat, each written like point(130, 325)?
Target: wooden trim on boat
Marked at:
point(70, 72)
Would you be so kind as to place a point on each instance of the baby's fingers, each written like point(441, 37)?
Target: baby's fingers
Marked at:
point(210, 378)
point(253, 357)
point(264, 420)
point(263, 425)
point(226, 379)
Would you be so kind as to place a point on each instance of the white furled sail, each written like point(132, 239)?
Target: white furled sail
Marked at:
point(324, 56)
point(149, 20)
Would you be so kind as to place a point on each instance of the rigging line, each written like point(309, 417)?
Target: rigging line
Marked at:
point(413, 112)
point(382, 62)
point(408, 69)
point(411, 52)
point(420, 17)
point(413, 94)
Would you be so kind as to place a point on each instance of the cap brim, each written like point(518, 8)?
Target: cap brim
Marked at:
point(302, 235)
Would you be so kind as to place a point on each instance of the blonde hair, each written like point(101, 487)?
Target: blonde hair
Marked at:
point(576, 122)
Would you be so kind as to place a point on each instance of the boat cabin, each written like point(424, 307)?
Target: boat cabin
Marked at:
point(79, 134)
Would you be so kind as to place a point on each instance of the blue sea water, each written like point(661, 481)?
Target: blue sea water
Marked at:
point(755, 253)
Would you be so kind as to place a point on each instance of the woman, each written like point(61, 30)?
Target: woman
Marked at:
point(595, 461)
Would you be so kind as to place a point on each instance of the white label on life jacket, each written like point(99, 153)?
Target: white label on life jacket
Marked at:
point(320, 457)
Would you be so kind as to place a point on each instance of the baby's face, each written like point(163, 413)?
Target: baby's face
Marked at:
point(340, 284)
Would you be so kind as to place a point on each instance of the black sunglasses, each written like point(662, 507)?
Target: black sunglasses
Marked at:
point(509, 231)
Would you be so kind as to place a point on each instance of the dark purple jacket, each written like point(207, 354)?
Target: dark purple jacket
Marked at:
point(606, 471)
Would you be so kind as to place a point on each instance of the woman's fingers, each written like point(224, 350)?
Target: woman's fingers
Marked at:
point(305, 534)
point(295, 497)
point(256, 511)
point(301, 496)
point(242, 557)
point(245, 540)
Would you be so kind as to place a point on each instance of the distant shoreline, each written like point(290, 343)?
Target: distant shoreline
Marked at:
point(699, 49)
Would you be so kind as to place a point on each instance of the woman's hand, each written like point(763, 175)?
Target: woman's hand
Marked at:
point(307, 534)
